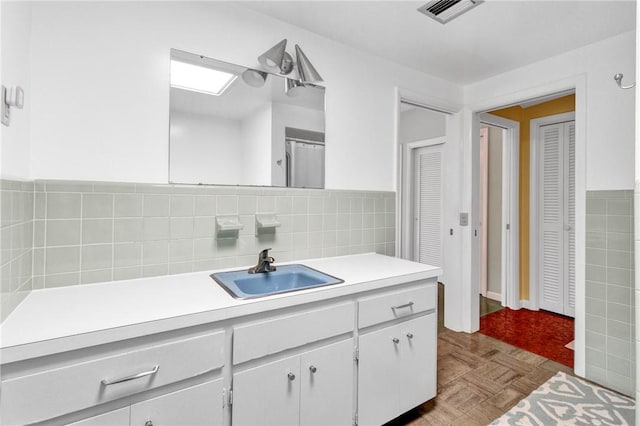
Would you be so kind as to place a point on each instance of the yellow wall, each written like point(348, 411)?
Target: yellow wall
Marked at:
point(524, 117)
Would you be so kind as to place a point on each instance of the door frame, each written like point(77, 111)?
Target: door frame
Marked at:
point(510, 240)
point(483, 214)
point(534, 200)
point(407, 170)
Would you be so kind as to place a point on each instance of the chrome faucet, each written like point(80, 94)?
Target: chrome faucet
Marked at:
point(264, 263)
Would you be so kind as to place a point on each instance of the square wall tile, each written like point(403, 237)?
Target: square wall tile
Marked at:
point(97, 231)
point(98, 256)
point(128, 205)
point(63, 206)
point(97, 205)
point(62, 259)
point(62, 232)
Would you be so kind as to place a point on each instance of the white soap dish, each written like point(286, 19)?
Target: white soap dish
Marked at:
point(228, 226)
point(266, 223)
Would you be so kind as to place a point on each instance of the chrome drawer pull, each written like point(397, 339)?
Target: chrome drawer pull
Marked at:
point(406, 305)
point(107, 382)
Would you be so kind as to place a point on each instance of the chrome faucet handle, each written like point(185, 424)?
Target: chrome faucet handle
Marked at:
point(264, 254)
point(264, 263)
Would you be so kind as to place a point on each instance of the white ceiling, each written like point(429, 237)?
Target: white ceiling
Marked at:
point(494, 37)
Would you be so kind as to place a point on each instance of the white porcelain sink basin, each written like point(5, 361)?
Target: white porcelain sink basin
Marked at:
point(243, 285)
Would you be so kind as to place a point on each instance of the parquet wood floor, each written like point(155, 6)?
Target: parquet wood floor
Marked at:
point(479, 379)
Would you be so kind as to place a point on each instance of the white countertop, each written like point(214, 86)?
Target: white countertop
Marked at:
point(60, 319)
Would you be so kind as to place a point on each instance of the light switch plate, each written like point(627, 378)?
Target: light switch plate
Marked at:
point(464, 219)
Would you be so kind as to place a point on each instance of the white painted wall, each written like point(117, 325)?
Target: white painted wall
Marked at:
point(636, 207)
point(109, 61)
point(255, 136)
point(217, 143)
point(418, 124)
point(610, 111)
point(15, 60)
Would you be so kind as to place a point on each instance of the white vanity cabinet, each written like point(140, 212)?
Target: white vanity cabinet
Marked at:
point(118, 417)
point(397, 363)
point(39, 390)
point(362, 352)
point(306, 377)
point(314, 388)
point(199, 405)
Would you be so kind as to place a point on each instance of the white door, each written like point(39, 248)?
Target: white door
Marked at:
point(428, 205)
point(199, 405)
point(557, 218)
point(326, 385)
point(268, 394)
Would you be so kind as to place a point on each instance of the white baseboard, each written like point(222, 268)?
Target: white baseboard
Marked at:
point(527, 305)
point(494, 296)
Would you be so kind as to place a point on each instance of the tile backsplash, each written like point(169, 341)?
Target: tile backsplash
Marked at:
point(87, 232)
point(610, 305)
point(16, 236)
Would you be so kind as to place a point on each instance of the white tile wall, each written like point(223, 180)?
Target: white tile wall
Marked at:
point(16, 242)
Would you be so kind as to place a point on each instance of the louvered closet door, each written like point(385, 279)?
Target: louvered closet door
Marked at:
point(556, 213)
point(570, 218)
point(428, 203)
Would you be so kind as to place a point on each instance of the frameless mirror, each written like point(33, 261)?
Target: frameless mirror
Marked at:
point(232, 125)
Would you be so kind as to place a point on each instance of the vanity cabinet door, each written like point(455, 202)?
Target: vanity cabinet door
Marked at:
point(397, 369)
point(268, 394)
point(326, 385)
point(378, 377)
point(199, 405)
point(112, 418)
point(417, 362)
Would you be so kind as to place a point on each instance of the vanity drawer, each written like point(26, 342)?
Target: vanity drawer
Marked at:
point(274, 335)
point(50, 393)
point(391, 305)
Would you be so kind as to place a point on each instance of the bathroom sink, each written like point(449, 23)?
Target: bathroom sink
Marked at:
point(243, 285)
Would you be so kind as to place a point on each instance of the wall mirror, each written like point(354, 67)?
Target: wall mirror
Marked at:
point(231, 125)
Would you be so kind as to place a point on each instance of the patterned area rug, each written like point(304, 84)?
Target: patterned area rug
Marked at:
point(568, 400)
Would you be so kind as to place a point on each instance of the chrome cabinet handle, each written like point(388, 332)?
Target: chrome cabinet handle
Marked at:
point(313, 368)
point(406, 305)
point(410, 335)
point(291, 376)
point(396, 340)
point(107, 382)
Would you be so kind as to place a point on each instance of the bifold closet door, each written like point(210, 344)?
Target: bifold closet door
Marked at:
point(428, 205)
point(556, 242)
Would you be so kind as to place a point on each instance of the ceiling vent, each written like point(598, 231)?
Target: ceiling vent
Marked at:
point(445, 10)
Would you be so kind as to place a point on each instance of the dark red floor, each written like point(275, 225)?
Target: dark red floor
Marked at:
point(541, 332)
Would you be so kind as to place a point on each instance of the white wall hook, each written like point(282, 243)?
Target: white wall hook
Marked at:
point(618, 79)
point(11, 97)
